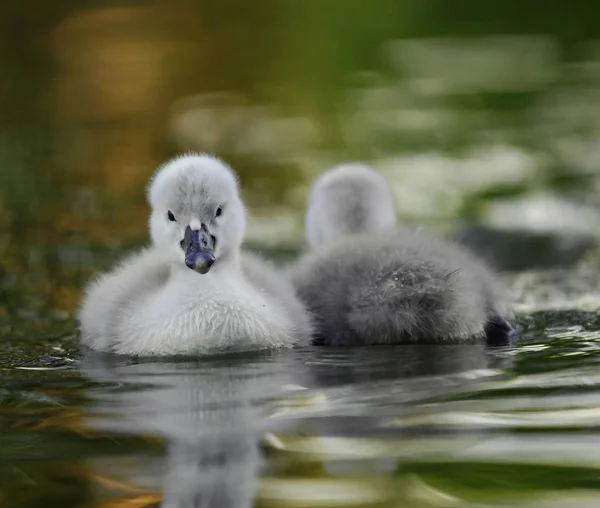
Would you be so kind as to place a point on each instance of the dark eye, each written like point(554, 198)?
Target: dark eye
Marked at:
point(171, 216)
point(219, 211)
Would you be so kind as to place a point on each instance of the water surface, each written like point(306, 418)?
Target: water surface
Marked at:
point(387, 426)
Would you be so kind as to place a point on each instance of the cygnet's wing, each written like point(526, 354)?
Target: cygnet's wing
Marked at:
point(490, 286)
point(108, 297)
point(268, 278)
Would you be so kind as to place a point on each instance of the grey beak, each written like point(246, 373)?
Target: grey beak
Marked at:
point(199, 248)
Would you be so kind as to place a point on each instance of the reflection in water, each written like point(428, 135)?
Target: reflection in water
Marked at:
point(365, 387)
point(211, 416)
point(371, 427)
point(355, 366)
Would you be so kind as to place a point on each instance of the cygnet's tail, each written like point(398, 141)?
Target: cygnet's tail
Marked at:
point(413, 304)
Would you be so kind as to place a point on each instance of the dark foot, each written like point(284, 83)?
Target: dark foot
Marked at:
point(499, 332)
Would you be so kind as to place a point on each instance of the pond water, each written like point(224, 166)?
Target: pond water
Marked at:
point(484, 117)
point(421, 426)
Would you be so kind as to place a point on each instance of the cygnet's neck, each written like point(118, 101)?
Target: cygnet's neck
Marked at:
point(229, 262)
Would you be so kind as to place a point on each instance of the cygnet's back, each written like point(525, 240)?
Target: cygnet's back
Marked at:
point(367, 282)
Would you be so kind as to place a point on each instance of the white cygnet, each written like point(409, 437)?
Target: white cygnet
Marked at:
point(193, 291)
point(368, 281)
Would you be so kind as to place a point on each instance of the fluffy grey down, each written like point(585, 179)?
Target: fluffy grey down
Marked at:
point(403, 286)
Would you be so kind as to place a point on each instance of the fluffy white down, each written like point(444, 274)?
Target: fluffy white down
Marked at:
point(153, 304)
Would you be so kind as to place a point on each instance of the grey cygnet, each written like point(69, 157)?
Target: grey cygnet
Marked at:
point(368, 281)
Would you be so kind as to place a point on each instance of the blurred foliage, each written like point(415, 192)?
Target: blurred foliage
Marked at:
point(89, 94)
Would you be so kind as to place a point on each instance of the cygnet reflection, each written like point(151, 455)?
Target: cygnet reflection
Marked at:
point(368, 389)
point(210, 415)
point(404, 364)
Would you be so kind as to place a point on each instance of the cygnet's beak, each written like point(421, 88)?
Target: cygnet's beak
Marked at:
point(199, 248)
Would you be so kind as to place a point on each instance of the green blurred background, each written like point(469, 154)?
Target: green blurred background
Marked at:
point(478, 112)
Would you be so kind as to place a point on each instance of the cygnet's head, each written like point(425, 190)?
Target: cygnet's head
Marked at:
point(348, 199)
point(197, 212)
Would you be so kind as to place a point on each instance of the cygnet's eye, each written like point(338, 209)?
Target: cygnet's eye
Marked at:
point(171, 216)
point(219, 211)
